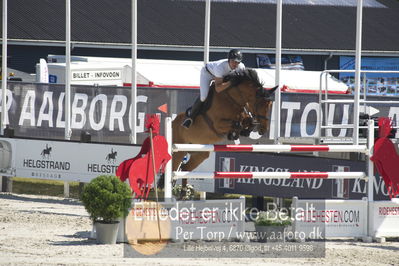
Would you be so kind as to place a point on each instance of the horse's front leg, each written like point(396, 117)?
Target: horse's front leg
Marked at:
point(196, 158)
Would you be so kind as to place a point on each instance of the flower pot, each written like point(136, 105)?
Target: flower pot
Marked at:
point(121, 238)
point(106, 232)
point(270, 233)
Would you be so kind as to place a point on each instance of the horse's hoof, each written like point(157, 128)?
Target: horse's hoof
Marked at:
point(236, 124)
point(245, 133)
point(232, 136)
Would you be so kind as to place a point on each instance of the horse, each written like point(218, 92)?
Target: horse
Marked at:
point(46, 152)
point(111, 157)
point(246, 93)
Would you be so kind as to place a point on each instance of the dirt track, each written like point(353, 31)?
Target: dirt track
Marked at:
point(50, 230)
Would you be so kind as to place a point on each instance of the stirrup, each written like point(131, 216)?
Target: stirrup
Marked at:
point(187, 122)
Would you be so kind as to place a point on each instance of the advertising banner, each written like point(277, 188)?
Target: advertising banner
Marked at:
point(67, 161)
point(330, 218)
point(74, 161)
point(302, 188)
point(37, 111)
point(384, 218)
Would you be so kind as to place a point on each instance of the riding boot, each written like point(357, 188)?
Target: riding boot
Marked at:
point(192, 113)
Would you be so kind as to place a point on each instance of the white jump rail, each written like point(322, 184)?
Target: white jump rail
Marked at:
point(269, 148)
point(173, 175)
point(270, 175)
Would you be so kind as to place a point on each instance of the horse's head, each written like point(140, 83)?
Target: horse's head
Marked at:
point(262, 108)
point(259, 98)
point(247, 90)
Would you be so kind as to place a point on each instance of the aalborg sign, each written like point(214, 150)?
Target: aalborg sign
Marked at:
point(37, 110)
point(67, 161)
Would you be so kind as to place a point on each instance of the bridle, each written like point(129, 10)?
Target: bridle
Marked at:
point(251, 111)
point(257, 115)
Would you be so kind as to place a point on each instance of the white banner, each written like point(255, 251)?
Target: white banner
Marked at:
point(74, 161)
point(67, 161)
point(384, 218)
point(317, 219)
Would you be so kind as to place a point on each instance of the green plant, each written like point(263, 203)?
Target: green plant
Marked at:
point(272, 218)
point(106, 198)
point(183, 192)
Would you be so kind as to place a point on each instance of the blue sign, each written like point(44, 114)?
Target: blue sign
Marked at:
point(52, 78)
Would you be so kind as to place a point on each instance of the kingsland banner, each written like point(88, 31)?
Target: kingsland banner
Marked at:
point(301, 188)
point(37, 110)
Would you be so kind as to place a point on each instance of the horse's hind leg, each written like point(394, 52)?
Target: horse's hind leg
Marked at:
point(177, 159)
point(196, 158)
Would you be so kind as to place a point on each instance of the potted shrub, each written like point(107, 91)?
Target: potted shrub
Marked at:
point(106, 199)
point(270, 226)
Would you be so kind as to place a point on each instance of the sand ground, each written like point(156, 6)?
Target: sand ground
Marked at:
point(49, 230)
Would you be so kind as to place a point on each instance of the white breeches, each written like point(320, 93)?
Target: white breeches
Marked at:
point(205, 81)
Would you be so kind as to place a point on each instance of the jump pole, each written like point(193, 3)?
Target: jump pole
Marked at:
point(371, 180)
point(270, 148)
point(168, 168)
point(270, 175)
point(4, 72)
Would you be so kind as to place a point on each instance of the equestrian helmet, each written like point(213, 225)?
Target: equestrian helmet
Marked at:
point(235, 55)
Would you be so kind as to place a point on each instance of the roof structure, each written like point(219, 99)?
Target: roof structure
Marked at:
point(178, 24)
point(185, 74)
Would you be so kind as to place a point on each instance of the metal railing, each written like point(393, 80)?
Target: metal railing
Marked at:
point(324, 123)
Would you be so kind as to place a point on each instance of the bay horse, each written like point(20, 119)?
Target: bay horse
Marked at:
point(212, 126)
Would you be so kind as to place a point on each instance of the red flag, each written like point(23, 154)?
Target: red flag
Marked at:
point(386, 158)
point(163, 108)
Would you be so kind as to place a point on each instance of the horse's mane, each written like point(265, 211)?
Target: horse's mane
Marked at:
point(239, 76)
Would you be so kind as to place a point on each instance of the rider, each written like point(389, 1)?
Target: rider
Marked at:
point(214, 71)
